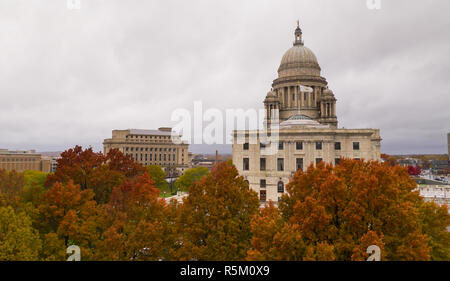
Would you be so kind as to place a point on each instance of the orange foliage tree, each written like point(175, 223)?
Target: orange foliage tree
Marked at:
point(337, 211)
point(140, 223)
point(215, 217)
point(68, 216)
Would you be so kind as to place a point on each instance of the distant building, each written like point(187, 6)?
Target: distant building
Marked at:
point(151, 147)
point(23, 160)
point(406, 162)
point(434, 191)
point(208, 161)
point(53, 162)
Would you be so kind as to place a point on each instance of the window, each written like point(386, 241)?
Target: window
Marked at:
point(248, 184)
point(337, 161)
point(337, 146)
point(305, 96)
point(246, 146)
point(280, 187)
point(262, 183)
point(318, 160)
point(299, 164)
point(262, 145)
point(246, 164)
point(355, 145)
point(280, 164)
point(262, 164)
point(318, 145)
point(281, 145)
point(262, 195)
point(299, 145)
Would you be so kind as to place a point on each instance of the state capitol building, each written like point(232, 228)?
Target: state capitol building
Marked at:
point(305, 112)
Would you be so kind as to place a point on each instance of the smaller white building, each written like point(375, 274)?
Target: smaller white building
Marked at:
point(440, 194)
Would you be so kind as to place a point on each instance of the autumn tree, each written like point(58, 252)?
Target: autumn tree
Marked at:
point(435, 220)
point(140, 228)
point(19, 241)
point(69, 216)
point(77, 165)
point(274, 239)
point(95, 171)
point(389, 159)
point(215, 217)
point(414, 171)
point(339, 210)
point(11, 187)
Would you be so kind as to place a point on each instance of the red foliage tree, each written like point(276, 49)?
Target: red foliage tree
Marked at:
point(92, 170)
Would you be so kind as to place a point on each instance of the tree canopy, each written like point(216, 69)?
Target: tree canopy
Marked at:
point(110, 207)
point(190, 176)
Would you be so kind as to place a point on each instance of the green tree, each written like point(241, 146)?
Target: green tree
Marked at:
point(189, 177)
point(434, 220)
point(19, 241)
point(157, 175)
point(34, 186)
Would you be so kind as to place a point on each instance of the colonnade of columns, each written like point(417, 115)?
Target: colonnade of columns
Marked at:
point(291, 97)
point(328, 109)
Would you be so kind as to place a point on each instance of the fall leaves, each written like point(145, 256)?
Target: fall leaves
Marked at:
point(111, 208)
point(335, 213)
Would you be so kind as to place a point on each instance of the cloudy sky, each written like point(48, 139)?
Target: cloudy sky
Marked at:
point(70, 76)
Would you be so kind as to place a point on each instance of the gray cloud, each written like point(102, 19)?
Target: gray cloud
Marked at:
point(71, 76)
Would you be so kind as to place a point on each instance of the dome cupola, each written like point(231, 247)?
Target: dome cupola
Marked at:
point(299, 60)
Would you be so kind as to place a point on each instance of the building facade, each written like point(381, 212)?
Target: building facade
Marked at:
point(439, 194)
point(151, 147)
point(300, 110)
point(23, 160)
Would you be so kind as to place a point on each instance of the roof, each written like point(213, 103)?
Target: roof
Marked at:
point(301, 120)
point(150, 132)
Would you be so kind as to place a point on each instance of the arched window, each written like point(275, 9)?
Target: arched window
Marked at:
point(280, 187)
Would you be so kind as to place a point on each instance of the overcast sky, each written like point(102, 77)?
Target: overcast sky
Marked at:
point(69, 77)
